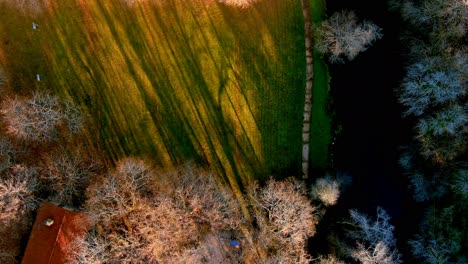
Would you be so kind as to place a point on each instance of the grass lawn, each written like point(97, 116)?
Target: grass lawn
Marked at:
point(320, 137)
point(177, 80)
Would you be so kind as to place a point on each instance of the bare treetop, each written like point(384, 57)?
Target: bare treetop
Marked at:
point(341, 36)
point(39, 117)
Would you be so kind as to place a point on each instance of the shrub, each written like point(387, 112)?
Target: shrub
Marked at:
point(326, 190)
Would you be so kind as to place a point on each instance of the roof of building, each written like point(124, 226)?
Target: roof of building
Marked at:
point(53, 232)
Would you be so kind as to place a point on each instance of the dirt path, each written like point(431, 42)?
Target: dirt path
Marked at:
point(309, 50)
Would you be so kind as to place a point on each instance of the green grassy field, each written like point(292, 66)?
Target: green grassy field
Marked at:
point(176, 81)
point(321, 122)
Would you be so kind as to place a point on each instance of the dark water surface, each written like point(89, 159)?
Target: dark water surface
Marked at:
point(372, 129)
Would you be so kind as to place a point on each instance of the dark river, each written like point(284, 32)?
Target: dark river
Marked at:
point(366, 107)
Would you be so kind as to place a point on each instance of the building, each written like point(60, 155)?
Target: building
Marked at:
point(53, 231)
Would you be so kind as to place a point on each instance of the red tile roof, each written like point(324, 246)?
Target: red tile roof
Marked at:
point(49, 243)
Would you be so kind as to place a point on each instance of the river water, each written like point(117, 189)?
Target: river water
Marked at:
point(372, 129)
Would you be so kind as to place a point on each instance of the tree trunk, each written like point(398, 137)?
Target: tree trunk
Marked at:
point(309, 52)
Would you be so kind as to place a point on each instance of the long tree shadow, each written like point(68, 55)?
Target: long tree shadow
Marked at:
point(182, 80)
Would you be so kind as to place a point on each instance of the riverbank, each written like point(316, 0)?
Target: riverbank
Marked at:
point(372, 129)
point(316, 132)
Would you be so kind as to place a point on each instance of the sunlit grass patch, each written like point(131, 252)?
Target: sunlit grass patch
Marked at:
point(174, 81)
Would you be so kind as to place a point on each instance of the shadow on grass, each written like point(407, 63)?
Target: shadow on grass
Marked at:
point(191, 80)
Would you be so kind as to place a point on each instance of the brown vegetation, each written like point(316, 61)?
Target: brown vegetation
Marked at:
point(27, 7)
point(286, 218)
point(144, 222)
point(17, 202)
point(185, 216)
point(40, 117)
point(238, 3)
point(34, 171)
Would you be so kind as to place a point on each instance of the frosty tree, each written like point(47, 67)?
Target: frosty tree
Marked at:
point(427, 84)
point(342, 36)
point(286, 219)
point(374, 239)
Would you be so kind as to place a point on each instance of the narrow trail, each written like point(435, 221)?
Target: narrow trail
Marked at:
point(309, 52)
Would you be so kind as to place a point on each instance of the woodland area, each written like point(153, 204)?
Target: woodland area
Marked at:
point(238, 131)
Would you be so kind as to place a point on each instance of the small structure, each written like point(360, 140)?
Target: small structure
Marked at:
point(53, 231)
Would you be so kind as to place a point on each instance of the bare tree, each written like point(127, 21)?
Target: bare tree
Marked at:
point(207, 201)
point(441, 134)
point(39, 117)
point(440, 240)
point(116, 195)
point(67, 175)
point(286, 219)
point(2, 78)
point(421, 187)
point(17, 193)
point(426, 85)
point(460, 185)
point(447, 121)
point(7, 154)
point(342, 36)
point(12, 235)
point(73, 117)
point(188, 217)
point(374, 239)
point(447, 19)
point(165, 223)
point(17, 201)
point(92, 249)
